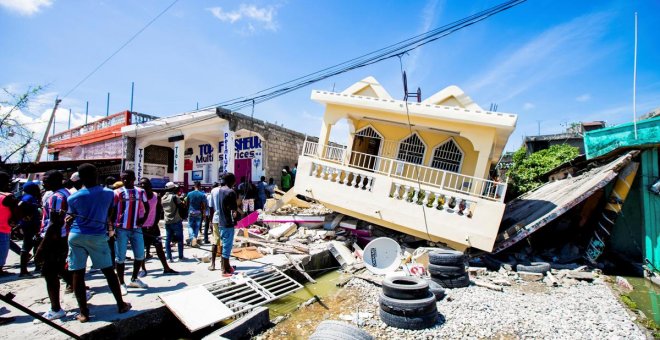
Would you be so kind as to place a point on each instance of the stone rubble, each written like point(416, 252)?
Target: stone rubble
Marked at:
point(314, 210)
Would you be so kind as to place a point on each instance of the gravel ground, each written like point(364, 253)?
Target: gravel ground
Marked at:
point(525, 310)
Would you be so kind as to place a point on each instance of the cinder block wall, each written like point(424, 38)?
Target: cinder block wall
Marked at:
point(282, 146)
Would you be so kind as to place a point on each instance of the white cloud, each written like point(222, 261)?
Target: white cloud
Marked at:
point(25, 7)
point(428, 18)
point(528, 106)
point(583, 98)
point(557, 52)
point(250, 14)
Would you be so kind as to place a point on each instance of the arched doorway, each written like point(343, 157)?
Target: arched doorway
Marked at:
point(366, 148)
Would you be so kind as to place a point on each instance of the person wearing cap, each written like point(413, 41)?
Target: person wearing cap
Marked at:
point(196, 202)
point(30, 222)
point(286, 179)
point(173, 223)
point(74, 183)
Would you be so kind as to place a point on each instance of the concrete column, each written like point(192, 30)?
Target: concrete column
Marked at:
point(139, 160)
point(228, 150)
point(323, 138)
point(179, 149)
point(215, 165)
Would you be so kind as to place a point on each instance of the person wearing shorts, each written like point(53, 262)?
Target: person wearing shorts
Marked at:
point(225, 205)
point(88, 212)
point(128, 203)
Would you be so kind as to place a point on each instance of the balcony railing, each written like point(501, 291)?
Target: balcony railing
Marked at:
point(444, 180)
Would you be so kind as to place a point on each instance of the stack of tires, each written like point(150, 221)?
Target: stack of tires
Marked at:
point(337, 330)
point(447, 268)
point(406, 302)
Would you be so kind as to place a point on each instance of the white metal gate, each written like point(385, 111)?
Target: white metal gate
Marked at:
point(233, 296)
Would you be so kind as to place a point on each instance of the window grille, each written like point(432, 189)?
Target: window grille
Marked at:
point(412, 150)
point(448, 156)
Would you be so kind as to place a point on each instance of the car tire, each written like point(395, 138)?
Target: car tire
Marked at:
point(409, 322)
point(534, 267)
point(440, 269)
point(437, 290)
point(447, 258)
point(417, 307)
point(405, 287)
point(329, 328)
point(452, 282)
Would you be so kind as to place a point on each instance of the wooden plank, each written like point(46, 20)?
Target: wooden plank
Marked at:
point(299, 268)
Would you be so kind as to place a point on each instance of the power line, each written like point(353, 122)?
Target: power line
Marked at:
point(120, 48)
point(391, 51)
point(370, 58)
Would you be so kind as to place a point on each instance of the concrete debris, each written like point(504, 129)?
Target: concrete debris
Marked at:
point(313, 210)
point(622, 283)
point(343, 255)
point(283, 230)
point(350, 224)
point(528, 276)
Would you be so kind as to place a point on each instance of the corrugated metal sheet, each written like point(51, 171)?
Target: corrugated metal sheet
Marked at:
point(528, 213)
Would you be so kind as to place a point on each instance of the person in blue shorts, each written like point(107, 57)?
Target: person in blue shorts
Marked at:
point(88, 213)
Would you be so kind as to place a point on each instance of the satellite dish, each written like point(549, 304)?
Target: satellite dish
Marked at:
point(382, 256)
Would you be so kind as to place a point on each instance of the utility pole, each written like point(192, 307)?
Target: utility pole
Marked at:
point(132, 91)
point(69, 127)
point(86, 111)
point(107, 105)
point(45, 138)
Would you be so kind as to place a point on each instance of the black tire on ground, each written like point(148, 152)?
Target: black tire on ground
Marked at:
point(437, 290)
point(534, 267)
point(408, 307)
point(447, 257)
point(457, 282)
point(407, 322)
point(440, 269)
point(347, 330)
point(448, 276)
point(405, 287)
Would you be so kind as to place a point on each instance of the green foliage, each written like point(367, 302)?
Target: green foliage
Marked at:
point(526, 170)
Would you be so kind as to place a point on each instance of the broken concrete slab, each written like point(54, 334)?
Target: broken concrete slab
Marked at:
point(245, 327)
point(283, 230)
point(343, 255)
point(531, 277)
point(349, 224)
point(476, 271)
point(581, 276)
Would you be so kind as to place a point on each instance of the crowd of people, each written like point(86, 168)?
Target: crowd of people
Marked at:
point(70, 221)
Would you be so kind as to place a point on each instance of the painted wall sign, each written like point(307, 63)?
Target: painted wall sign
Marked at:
point(140, 164)
point(176, 158)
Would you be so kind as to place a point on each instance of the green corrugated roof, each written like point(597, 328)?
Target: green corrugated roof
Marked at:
point(603, 141)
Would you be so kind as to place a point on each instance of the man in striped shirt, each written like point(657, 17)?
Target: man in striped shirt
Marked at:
point(53, 249)
point(130, 214)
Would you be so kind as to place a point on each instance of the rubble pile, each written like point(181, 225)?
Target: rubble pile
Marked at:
point(315, 210)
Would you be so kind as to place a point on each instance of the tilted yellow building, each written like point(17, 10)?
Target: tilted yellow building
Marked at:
point(420, 168)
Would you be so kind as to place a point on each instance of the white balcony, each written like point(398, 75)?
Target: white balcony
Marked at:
point(460, 210)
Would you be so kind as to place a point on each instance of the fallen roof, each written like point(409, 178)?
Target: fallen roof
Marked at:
point(533, 210)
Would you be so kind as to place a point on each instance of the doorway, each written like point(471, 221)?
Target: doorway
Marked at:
point(243, 167)
point(366, 149)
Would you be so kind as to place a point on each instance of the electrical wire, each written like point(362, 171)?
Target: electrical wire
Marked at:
point(390, 51)
point(120, 48)
point(419, 183)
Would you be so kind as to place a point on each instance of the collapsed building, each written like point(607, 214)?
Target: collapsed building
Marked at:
point(418, 168)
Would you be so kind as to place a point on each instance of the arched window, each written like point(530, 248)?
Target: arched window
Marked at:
point(368, 132)
point(447, 156)
point(412, 150)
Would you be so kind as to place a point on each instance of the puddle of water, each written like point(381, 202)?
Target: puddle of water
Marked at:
point(647, 297)
point(326, 285)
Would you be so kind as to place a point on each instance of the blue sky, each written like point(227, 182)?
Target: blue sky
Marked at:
point(549, 61)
